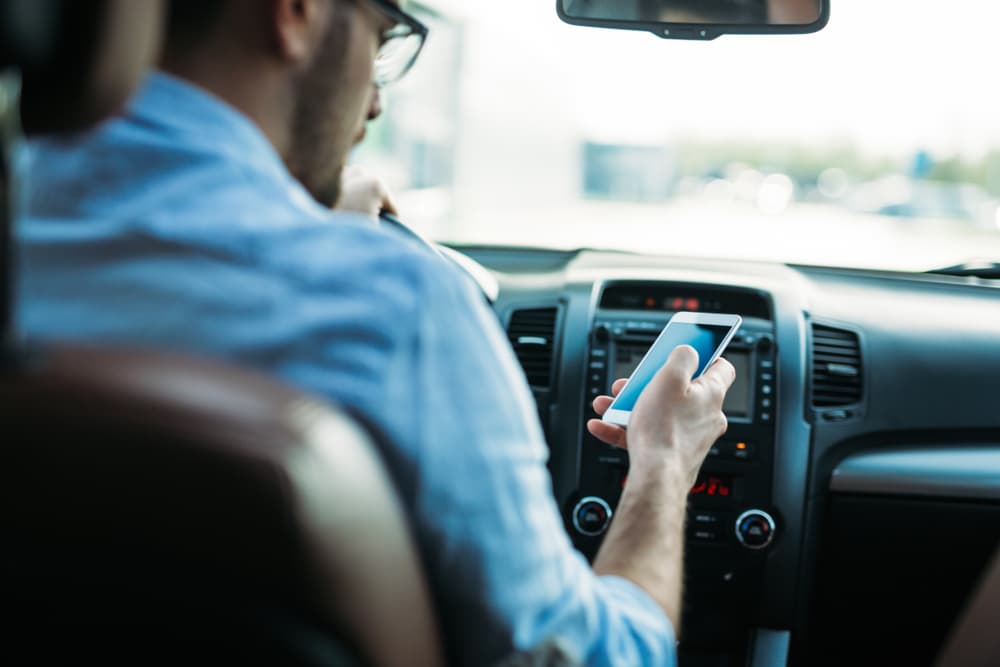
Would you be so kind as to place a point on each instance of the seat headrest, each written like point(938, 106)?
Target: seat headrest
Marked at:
point(143, 489)
point(80, 59)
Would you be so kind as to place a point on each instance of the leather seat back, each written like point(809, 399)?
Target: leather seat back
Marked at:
point(160, 507)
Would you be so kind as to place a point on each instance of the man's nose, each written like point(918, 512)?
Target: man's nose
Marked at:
point(375, 108)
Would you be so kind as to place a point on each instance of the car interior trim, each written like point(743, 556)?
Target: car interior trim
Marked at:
point(955, 472)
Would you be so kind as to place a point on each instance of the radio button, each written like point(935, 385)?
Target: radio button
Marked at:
point(700, 519)
point(707, 535)
point(615, 459)
point(743, 451)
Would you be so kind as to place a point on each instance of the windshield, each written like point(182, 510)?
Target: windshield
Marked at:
point(874, 143)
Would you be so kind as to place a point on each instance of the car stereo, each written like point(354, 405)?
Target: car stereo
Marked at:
point(619, 346)
point(731, 522)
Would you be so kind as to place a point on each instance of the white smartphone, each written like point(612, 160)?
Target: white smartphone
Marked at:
point(707, 333)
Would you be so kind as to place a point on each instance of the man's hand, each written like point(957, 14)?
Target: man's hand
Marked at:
point(676, 420)
point(363, 192)
point(674, 424)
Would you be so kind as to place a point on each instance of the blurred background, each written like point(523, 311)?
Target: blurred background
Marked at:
point(874, 143)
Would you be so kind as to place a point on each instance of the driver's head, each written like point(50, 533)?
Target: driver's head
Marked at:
point(301, 69)
point(708, 11)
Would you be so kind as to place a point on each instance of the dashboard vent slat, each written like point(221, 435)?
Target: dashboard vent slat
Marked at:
point(836, 367)
point(532, 334)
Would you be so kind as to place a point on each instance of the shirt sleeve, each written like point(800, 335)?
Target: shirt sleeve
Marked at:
point(507, 575)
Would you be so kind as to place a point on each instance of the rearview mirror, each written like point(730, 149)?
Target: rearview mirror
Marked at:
point(699, 19)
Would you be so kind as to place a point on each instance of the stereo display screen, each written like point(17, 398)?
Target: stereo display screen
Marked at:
point(628, 356)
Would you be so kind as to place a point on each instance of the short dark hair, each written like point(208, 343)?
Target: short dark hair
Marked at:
point(189, 22)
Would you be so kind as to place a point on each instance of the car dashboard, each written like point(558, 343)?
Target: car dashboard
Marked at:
point(847, 513)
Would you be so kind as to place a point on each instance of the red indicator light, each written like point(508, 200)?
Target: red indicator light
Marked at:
point(650, 302)
point(692, 304)
point(713, 486)
point(677, 303)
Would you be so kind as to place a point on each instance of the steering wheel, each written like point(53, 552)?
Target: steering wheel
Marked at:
point(480, 275)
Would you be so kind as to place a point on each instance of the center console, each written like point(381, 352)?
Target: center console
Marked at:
point(731, 520)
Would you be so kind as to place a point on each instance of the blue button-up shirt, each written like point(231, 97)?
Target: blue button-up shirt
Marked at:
point(178, 226)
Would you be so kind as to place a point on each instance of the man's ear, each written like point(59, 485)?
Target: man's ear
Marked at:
point(299, 26)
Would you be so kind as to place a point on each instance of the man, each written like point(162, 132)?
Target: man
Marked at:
point(672, 11)
point(777, 12)
point(200, 221)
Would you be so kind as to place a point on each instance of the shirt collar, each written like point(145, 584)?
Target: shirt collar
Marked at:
point(193, 116)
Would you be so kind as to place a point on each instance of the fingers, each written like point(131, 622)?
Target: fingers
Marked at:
point(608, 433)
point(602, 403)
point(363, 192)
point(388, 205)
point(721, 375)
point(382, 194)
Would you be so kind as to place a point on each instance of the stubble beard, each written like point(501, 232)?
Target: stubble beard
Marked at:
point(318, 149)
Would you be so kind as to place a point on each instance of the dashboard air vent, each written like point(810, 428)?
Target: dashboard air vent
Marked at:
point(836, 367)
point(532, 333)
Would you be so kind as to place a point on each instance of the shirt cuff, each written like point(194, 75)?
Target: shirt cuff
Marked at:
point(647, 618)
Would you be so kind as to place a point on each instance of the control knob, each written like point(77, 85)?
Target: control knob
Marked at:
point(591, 516)
point(755, 529)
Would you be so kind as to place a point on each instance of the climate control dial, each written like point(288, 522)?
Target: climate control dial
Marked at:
point(591, 516)
point(755, 529)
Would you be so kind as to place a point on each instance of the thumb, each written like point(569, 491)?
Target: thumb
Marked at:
point(673, 378)
point(681, 365)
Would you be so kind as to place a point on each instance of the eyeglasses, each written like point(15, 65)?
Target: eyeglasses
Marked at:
point(401, 44)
